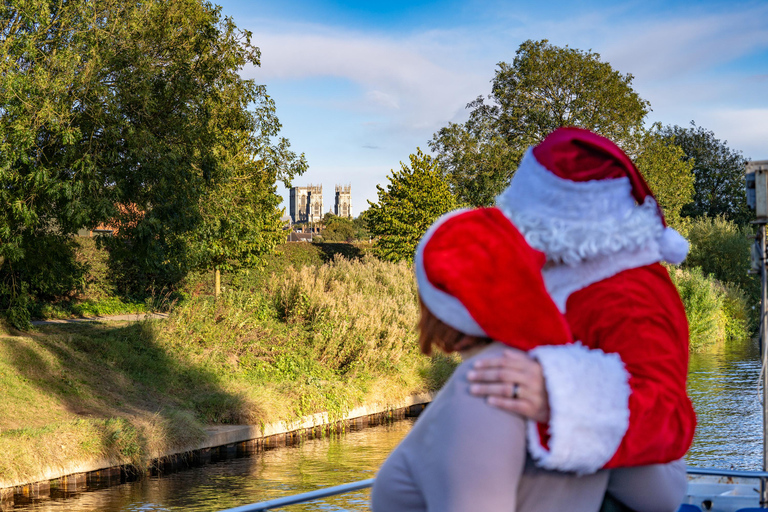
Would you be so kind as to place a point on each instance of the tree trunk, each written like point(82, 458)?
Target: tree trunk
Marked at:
point(216, 282)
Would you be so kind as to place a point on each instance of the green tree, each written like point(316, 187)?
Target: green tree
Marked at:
point(545, 87)
point(721, 248)
point(666, 170)
point(337, 229)
point(198, 144)
point(415, 196)
point(361, 226)
point(476, 161)
point(718, 171)
point(240, 222)
point(49, 183)
point(133, 113)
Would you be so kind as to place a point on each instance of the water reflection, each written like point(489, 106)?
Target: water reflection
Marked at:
point(307, 466)
point(723, 388)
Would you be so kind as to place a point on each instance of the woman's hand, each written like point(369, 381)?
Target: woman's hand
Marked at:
point(514, 383)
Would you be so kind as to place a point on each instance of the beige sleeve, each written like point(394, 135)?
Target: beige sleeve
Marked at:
point(652, 488)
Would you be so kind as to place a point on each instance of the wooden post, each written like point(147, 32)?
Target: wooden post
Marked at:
point(216, 282)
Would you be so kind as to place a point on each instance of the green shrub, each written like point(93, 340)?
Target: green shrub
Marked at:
point(17, 306)
point(703, 301)
point(716, 312)
point(98, 282)
point(721, 248)
point(738, 313)
point(48, 271)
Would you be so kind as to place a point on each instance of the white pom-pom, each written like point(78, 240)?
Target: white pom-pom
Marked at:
point(674, 248)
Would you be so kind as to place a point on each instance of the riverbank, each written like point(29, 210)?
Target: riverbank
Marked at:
point(300, 336)
point(220, 443)
point(276, 349)
point(71, 408)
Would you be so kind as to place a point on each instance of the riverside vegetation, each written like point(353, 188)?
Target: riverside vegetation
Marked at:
point(299, 337)
point(321, 327)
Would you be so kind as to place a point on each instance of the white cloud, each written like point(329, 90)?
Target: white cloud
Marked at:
point(664, 49)
point(415, 81)
point(744, 129)
point(383, 99)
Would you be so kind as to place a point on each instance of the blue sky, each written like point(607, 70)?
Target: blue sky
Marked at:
point(360, 85)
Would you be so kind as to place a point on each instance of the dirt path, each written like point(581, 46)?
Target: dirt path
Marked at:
point(133, 317)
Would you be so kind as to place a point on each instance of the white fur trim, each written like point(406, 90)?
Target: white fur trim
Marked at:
point(589, 408)
point(674, 248)
point(575, 221)
point(562, 280)
point(445, 307)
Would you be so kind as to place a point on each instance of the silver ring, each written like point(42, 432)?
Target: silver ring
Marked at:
point(515, 389)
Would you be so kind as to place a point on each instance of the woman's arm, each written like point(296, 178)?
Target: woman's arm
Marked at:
point(466, 454)
point(652, 488)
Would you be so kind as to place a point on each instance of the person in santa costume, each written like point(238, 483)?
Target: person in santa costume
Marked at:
point(473, 267)
point(578, 198)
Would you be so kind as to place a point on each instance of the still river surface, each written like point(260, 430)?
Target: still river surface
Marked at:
point(729, 435)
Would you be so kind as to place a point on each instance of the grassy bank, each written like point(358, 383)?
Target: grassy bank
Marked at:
point(275, 346)
point(97, 295)
point(718, 294)
point(320, 327)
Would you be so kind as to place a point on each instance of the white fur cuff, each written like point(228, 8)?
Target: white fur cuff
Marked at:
point(589, 403)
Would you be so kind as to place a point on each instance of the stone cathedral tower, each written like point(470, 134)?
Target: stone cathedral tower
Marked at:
point(306, 204)
point(342, 206)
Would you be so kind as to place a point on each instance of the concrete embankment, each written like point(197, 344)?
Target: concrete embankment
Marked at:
point(222, 442)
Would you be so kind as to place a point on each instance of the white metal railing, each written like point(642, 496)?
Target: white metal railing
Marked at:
point(304, 497)
point(364, 484)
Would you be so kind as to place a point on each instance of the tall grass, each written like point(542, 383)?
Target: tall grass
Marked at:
point(720, 295)
point(273, 347)
point(358, 313)
point(716, 312)
point(308, 339)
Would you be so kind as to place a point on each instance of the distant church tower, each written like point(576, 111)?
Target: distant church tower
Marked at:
point(306, 204)
point(342, 206)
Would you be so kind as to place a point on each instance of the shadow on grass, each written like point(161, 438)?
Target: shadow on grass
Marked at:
point(329, 250)
point(114, 373)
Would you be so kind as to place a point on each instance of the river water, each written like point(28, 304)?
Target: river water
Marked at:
point(725, 394)
point(723, 388)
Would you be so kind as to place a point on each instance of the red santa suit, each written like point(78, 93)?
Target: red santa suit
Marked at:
point(617, 396)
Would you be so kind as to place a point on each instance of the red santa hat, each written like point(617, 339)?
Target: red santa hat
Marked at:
point(477, 274)
point(577, 196)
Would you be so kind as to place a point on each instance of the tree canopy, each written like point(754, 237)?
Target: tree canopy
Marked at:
point(475, 160)
point(338, 229)
point(666, 170)
point(134, 113)
point(545, 87)
point(718, 171)
point(414, 198)
point(361, 226)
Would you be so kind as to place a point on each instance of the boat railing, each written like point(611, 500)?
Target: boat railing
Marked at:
point(735, 473)
point(364, 484)
point(304, 497)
